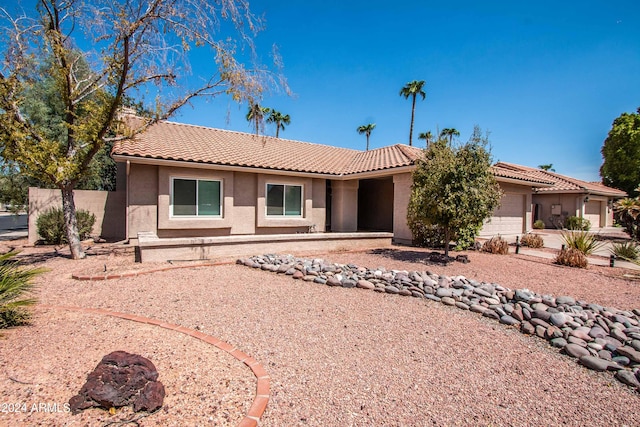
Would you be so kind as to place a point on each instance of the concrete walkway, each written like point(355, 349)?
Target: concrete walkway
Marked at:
point(553, 240)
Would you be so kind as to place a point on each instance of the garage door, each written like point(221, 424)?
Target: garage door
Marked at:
point(508, 218)
point(592, 212)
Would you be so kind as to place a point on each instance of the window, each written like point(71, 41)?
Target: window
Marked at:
point(284, 200)
point(196, 197)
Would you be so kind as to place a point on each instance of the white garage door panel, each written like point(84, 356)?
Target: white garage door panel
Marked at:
point(592, 213)
point(508, 218)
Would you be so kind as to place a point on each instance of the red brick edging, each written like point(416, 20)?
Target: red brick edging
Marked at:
point(263, 387)
point(97, 277)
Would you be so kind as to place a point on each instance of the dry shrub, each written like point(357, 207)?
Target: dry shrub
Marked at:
point(532, 241)
point(571, 257)
point(496, 245)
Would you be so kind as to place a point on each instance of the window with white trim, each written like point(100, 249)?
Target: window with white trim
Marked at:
point(284, 200)
point(196, 197)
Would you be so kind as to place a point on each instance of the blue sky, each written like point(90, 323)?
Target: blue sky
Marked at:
point(545, 78)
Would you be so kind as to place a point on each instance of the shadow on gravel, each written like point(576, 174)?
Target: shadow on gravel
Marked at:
point(428, 258)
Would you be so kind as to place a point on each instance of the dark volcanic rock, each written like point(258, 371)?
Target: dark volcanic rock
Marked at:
point(121, 379)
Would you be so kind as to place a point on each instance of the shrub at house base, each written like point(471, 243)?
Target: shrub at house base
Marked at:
point(532, 241)
point(496, 245)
point(50, 225)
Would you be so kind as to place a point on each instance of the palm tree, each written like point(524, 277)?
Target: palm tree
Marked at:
point(256, 114)
point(366, 129)
point(548, 167)
point(413, 89)
point(427, 136)
point(449, 133)
point(279, 119)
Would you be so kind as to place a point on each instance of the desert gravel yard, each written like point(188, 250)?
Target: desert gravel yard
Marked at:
point(335, 356)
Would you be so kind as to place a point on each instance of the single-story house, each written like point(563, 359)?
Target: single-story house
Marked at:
point(185, 181)
point(568, 197)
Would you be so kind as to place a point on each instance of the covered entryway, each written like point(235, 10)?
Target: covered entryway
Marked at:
point(508, 218)
point(375, 204)
point(592, 212)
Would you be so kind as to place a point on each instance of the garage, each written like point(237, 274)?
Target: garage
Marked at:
point(592, 212)
point(508, 218)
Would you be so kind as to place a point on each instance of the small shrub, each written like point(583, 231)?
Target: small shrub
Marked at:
point(496, 245)
point(539, 224)
point(626, 250)
point(577, 223)
point(532, 241)
point(50, 225)
point(571, 257)
point(585, 242)
point(15, 284)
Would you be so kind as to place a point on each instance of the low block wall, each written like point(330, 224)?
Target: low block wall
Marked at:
point(109, 207)
point(154, 249)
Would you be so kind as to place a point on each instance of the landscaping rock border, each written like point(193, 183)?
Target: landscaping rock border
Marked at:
point(600, 338)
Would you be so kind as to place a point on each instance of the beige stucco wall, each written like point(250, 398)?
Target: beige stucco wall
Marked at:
point(401, 195)
point(243, 205)
point(143, 199)
point(107, 206)
point(344, 206)
point(573, 204)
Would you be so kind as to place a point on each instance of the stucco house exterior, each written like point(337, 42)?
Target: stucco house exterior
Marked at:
point(185, 181)
point(568, 197)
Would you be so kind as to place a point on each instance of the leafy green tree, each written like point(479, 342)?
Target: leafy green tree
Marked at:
point(279, 119)
point(454, 188)
point(137, 48)
point(366, 130)
point(547, 167)
point(413, 89)
point(256, 115)
point(14, 187)
point(449, 133)
point(621, 154)
point(427, 136)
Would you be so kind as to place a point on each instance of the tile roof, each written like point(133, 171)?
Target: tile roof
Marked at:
point(182, 142)
point(562, 183)
point(502, 172)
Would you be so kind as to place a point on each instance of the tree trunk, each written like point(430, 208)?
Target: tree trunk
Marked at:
point(413, 110)
point(447, 238)
point(71, 222)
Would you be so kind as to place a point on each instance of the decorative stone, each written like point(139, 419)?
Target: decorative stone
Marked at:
point(629, 352)
point(628, 378)
point(121, 379)
point(365, 284)
point(594, 363)
point(574, 350)
point(527, 328)
point(559, 342)
point(448, 301)
point(508, 320)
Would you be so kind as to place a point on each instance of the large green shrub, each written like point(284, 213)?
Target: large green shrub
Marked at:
point(15, 286)
point(539, 224)
point(577, 223)
point(432, 236)
point(50, 225)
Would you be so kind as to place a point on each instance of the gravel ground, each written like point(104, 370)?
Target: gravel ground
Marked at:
point(336, 357)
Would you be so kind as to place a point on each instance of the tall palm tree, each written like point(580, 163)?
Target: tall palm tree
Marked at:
point(427, 136)
point(279, 119)
point(547, 167)
point(449, 133)
point(413, 89)
point(366, 129)
point(256, 114)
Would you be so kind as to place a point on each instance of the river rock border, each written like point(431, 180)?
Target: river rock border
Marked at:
point(600, 338)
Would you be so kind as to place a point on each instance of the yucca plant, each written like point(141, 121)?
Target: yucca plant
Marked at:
point(582, 240)
point(626, 250)
point(16, 291)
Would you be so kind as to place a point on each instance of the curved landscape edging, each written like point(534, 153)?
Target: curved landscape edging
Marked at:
point(263, 386)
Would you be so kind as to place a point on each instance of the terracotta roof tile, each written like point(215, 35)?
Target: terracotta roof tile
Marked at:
point(175, 141)
point(500, 171)
point(562, 183)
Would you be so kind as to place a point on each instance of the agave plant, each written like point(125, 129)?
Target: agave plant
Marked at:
point(628, 250)
point(582, 240)
point(16, 291)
